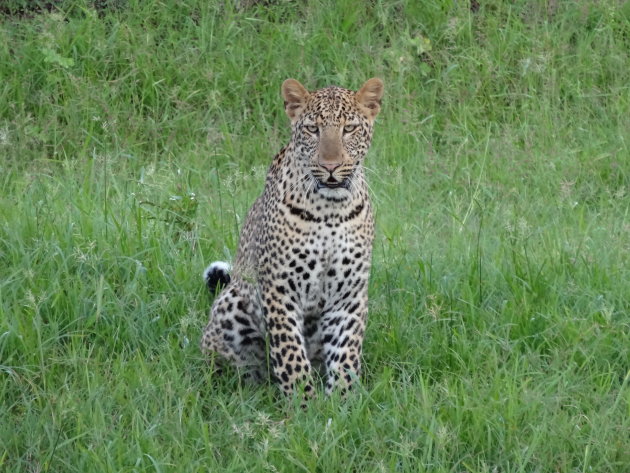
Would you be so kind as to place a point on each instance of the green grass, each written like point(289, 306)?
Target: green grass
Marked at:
point(132, 142)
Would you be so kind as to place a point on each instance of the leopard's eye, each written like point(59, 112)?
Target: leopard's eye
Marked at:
point(349, 128)
point(312, 129)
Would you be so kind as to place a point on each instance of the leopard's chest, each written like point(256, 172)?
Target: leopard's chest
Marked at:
point(319, 260)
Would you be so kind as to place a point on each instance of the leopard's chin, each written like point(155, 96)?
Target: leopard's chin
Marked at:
point(336, 193)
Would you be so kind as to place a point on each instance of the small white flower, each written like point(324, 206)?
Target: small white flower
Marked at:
point(4, 136)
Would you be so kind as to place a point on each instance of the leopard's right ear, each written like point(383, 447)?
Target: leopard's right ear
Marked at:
point(295, 97)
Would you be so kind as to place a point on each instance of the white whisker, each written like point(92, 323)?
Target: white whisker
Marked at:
point(374, 171)
point(294, 185)
point(365, 183)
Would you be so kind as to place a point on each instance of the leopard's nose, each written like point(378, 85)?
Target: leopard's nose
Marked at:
point(330, 167)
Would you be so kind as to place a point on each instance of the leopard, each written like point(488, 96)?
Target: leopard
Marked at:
point(295, 301)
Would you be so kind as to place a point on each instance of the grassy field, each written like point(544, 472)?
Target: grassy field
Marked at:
point(134, 138)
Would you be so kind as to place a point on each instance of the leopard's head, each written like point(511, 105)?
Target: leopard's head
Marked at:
point(331, 132)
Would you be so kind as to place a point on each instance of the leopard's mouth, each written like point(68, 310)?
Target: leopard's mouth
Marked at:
point(332, 183)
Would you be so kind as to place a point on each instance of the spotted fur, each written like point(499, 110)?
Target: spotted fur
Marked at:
point(299, 282)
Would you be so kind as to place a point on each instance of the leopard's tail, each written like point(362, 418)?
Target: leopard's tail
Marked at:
point(217, 275)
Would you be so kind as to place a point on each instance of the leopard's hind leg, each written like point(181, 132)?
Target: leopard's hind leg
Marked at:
point(236, 330)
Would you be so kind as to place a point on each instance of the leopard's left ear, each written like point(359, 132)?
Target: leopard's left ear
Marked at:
point(295, 97)
point(369, 97)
